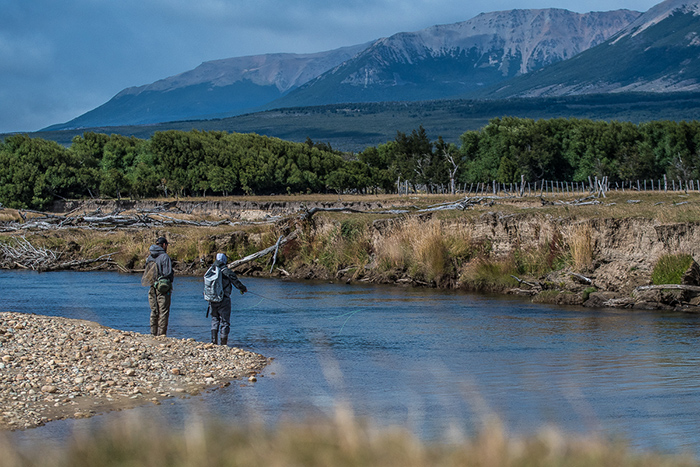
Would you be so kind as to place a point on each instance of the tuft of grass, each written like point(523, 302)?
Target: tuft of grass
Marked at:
point(587, 292)
point(485, 275)
point(425, 248)
point(580, 241)
point(669, 269)
point(334, 245)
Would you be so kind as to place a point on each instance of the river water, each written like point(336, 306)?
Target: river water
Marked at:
point(435, 362)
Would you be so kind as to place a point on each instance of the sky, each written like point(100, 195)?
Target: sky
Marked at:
point(60, 59)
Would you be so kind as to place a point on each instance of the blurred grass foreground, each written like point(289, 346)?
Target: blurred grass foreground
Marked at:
point(343, 441)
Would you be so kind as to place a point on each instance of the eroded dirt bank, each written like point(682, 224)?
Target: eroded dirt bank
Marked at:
point(623, 250)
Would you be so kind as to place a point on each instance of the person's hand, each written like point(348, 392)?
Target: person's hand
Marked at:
point(244, 290)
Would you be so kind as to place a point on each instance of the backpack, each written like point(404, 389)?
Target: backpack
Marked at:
point(213, 284)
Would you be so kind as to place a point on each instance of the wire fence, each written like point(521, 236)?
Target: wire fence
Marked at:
point(552, 187)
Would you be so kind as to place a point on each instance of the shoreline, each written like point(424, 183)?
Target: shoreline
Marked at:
point(54, 368)
point(599, 253)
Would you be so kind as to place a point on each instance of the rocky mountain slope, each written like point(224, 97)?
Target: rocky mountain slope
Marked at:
point(219, 88)
point(437, 62)
point(658, 52)
point(458, 59)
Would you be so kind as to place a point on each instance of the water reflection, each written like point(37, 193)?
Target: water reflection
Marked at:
point(429, 360)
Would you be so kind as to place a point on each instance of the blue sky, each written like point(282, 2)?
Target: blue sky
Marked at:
point(59, 59)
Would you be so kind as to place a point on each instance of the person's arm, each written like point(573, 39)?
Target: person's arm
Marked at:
point(234, 280)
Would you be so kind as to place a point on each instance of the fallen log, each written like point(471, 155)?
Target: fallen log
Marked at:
point(690, 288)
point(107, 258)
point(532, 285)
point(264, 252)
point(582, 279)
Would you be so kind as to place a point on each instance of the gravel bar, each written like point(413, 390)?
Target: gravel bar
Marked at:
point(53, 368)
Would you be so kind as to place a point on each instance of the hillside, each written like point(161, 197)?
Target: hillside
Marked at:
point(354, 127)
point(218, 88)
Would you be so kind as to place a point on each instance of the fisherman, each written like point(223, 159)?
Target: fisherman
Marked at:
point(159, 293)
point(221, 311)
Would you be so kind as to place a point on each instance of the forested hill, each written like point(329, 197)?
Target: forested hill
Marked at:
point(34, 172)
point(353, 127)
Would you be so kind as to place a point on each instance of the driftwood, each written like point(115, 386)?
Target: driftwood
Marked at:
point(581, 279)
point(274, 257)
point(462, 205)
point(307, 214)
point(532, 285)
point(588, 201)
point(78, 263)
point(690, 288)
point(26, 256)
point(97, 221)
point(264, 252)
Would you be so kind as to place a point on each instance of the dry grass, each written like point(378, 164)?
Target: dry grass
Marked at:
point(343, 441)
point(580, 240)
point(424, 248)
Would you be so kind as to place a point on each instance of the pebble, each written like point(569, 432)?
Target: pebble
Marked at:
point(54, 368)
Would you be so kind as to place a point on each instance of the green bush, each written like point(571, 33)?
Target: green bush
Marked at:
point(670, 269)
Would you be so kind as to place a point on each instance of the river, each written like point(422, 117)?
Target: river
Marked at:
point(436, 362)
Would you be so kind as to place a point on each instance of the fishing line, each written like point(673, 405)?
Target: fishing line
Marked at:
point(273, 300)
point(254, 306)
point(349, 314)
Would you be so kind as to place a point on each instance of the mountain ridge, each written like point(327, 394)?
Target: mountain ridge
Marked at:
point(658, 52)
point(262, 82)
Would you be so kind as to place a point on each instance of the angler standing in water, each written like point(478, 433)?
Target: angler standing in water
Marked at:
point(219, 281)
point(160, 267)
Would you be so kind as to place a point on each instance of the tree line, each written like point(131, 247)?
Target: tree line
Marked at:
point(34, 172)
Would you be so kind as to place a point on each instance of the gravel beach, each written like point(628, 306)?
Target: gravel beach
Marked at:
point(54, 368)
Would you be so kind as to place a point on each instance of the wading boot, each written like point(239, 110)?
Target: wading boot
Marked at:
point(224, 340)
point(213, 336)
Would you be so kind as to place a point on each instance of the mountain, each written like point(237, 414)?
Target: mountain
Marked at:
point(657, 52)
point(457, 59)
point(437, 62)
point(218, 88)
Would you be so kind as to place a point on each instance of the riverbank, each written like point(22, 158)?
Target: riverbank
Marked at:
point(53, 368)
point(596, 251)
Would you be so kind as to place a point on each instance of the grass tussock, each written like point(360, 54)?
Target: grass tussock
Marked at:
point(487, 275)
point(669, 269)
point(580, 241)
point(428, 250)
point(340, 442)
point(333, 245)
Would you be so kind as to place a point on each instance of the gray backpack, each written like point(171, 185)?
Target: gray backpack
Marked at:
point(213, 284)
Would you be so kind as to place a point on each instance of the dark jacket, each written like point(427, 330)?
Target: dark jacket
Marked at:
point(162, 260)
point(229, 279)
